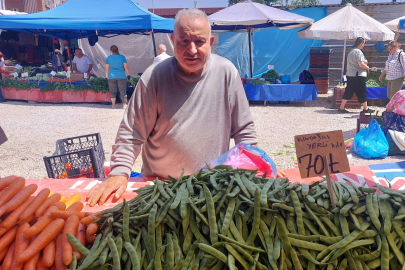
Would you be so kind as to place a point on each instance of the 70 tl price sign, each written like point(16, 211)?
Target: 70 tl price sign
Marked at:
point(321, 154)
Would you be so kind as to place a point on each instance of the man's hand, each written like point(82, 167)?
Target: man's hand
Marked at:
point(381, 77)
point(99, 193)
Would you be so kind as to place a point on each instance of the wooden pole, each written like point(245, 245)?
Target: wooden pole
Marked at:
point(329, 182)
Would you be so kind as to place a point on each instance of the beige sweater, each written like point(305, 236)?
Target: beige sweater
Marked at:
point(181, 122)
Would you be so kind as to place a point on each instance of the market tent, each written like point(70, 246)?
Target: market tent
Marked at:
point(393, 25)
point(77, 19)
point(248, 15)
point(345, 24)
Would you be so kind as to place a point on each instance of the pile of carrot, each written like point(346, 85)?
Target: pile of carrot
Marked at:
point(33, 229)
point(60, 80)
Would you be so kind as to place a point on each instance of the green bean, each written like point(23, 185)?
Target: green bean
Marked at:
point(331, 240)
point(385, 254)
point(347, 240)
point(311, 226)
point(76, 243)
point(263, 193)
point(115, 254)
point(305, 189)
point(307, 245)
point(161, 189)
point(398, 254)
point(73, 264)
point(218, 254)
point(344, 226)
point(158, 260)
point(190, 185)
point(318, 221)
point(298, 211)
point(133, 255)
point(228, 216)
point(125, 222)
point(351, 246)
point(241, 244)
point(346, 208)
point(244, 253)
point(118, 243)
point(231, 262)
point(103, 255)
point(250, 186)
point(237, 256)
point(179, 196)
point(242, 186)
point(211, 215)
point(332, 226)
point(179, 264)
point(256, 218)
point(93, 255)
point(190, 255)
point(216, 198)
point(199, 214)
point(183, 203)
point(360, 209)
point(228, 190)
point(188, 239)
point(285, 207)
point(277, 189)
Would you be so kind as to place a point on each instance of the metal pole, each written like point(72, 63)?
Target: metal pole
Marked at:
point(343, 61)
point(153, 7)
point(154, 44)
point(250, 54)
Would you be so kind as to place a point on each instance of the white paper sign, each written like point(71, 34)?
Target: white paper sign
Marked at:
point(18, 66)
point(85, 75)
point(53, 73)
point(25, 74)
point(270, 67)
point(98, 65)
point(68, 74)
point(15, 74)
point(64, 73)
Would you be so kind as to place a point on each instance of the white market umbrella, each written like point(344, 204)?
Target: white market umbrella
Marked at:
point(248, 15)
point(393, 25)
point(347, 23)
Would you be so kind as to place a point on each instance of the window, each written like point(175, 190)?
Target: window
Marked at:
point(48, 2)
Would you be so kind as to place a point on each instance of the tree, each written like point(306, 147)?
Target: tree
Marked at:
point(354, 2)
point(305, 3)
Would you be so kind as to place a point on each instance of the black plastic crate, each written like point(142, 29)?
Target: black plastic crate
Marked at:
point(77, 157)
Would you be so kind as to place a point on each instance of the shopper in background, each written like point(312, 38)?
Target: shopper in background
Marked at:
point(162, 54)
point(57, 63)
point(116, 70)
point(394, 69)
point(82, 63)
point(356, 74)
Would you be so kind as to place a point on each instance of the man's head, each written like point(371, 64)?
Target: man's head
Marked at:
point(57, 51)
point(79, 53)
point(192, 40)
point(161, 48)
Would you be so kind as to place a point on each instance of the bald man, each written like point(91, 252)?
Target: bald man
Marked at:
point(162, 54)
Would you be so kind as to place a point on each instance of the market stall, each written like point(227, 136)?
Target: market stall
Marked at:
point(281, 92)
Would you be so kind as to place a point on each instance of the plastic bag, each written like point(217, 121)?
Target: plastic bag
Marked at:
point(370, 142)
point(246, 156)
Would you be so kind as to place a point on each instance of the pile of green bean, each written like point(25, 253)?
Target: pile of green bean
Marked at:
point(230, 219)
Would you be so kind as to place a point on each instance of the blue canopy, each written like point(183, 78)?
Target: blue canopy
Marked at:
point(77, 19)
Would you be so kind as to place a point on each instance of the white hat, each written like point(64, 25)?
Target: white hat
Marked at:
point(56, 50)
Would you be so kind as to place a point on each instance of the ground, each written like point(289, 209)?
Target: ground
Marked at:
point(34, 128)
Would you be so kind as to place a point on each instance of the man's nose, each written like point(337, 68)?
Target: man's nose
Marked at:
point(192, 48)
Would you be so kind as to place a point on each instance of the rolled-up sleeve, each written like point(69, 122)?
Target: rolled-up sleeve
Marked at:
point(138, 122)
point(243, 128)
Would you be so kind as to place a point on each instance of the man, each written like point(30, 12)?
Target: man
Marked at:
point(82, 63)
point(183, 112)
point(57, 62)
point(162, 54)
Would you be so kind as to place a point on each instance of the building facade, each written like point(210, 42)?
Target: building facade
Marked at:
point(29, 6)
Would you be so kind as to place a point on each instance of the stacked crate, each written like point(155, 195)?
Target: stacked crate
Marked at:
point(319, 67)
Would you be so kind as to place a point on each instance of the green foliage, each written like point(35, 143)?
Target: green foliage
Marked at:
point(133, 80)
point(271, 74)
point(259, 82)
point(305, 3)
point(99, 85)
point(373, 81)
point(9, 83)
point(264, 2)
point(354, 2)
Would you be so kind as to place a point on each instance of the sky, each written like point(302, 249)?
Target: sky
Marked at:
point(216, 3)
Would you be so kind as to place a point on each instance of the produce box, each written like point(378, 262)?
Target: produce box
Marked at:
point(337, 99)
point(322, 84)
point(77, 76)
point(364, 119)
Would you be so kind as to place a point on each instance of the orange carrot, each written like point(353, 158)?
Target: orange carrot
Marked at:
point(3, 253)
point(59, 265)
point(89, 219)
point(72, 199)
point(6, 181)
point(40, 266)
point(21, 243)
point(39, 199)
point(48, 255)
point(32, 263)
point(8, 238)
point(63, 199)
point(81, 236)
point(76, 206)
point(71, 226)
point(12, 219)
point(9, 257)
point(53, 267)
point(66, 214)
point(90, 238)
point(43, 239)
point(61, 205)
point(31, 218)
point(18, 199)
point(40, 224)
point(92, 228)
point(8, 193)
point(50, 200)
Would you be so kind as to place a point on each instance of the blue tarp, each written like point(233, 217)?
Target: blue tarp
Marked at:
point(81, 18)
point(281, 92)
point(281, 48)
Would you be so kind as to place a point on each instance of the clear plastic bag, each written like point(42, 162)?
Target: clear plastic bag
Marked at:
point(246, 156)
point(370, 142)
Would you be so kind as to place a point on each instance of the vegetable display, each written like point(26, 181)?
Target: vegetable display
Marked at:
point(271, 74)
point(30, 224)
point(373, 79)
point(230, 219)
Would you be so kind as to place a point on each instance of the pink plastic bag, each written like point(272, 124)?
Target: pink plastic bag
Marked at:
point(246, 156)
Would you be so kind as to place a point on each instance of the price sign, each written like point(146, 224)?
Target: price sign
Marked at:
point(53, 73)
point(68, 74)
point(15, 74)
point(85, 75)
point(270, 67)
point(311, 148)
point(24, 75)
point(64, 73)
point(18, 67)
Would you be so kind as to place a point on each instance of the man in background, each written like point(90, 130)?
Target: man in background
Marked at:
point(162, 54)
point(82, 63)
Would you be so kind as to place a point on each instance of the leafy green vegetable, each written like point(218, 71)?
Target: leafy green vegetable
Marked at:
point(271, 74)
point(373, 81)
point(99, 85)
point(9, 83)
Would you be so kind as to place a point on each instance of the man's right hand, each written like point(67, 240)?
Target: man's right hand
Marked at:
point(99, 193)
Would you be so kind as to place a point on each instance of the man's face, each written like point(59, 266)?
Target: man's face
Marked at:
point(79, 53)
point(192, 44)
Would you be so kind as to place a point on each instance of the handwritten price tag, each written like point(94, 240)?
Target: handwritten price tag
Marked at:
point(53, 73)
point(24, 75)
point(68, 74)
point(311, 148)
point(15, 74)
point(18, 66)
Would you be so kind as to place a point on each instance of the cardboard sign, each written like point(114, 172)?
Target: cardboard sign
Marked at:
point(311, 148)
point(3, 137)
point(25, 74)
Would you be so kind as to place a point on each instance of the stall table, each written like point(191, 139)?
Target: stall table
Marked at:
point(281, 92)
